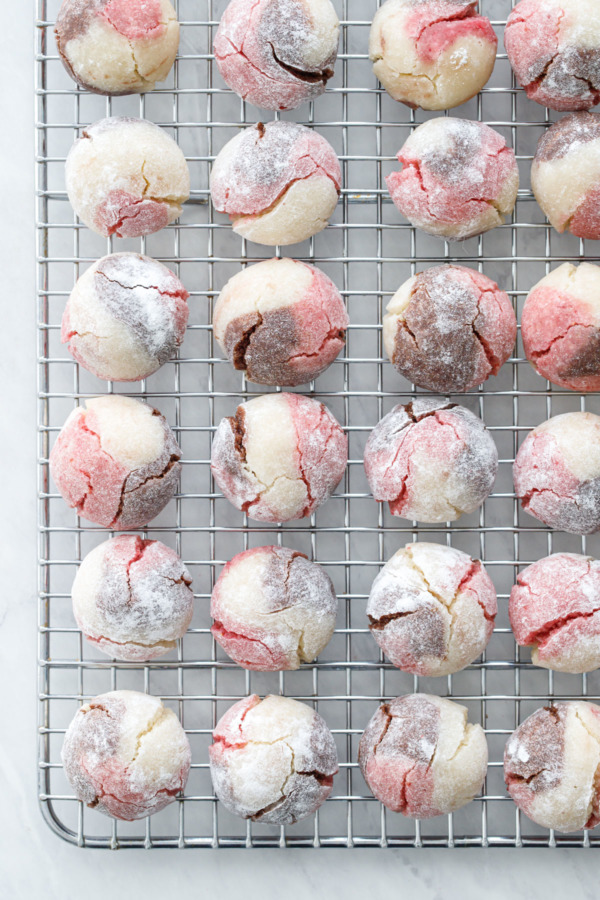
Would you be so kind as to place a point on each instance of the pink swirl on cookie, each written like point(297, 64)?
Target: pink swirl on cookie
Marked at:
point(272, 760)
point(420, 757)
point(557, 473)
point(126, 755)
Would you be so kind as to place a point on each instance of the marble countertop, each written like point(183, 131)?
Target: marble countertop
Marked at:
point(35, 863)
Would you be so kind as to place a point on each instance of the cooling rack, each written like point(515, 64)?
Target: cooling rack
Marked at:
point(368, 250)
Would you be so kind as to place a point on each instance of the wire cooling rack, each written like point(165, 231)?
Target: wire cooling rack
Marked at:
point(368, 250)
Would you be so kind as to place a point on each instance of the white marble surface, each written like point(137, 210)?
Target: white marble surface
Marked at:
point(33, 862)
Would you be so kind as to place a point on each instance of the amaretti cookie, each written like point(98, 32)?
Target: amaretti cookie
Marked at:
point(132, 598)
point(435, 54)
point(126, 177)
point(449, 328)
point(277, 54)
point(551, 766)
point(126, 755)
point(279, 457)
point(557, 473)
point(458, 178)
point(273, 609)
point(554, 49)
point(421, 757)
point(431, 461)
point(565, 175)
point(117, 46)
point(116, 462)
point(560, 327)
point(281, 322)
point(431, 609)
point(126, 317)
point(554, 608)
point(278, 183)
point(272, 760)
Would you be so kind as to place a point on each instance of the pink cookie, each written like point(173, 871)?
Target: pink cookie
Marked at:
point(431, 609)
point(551, 765)
point(565, 175)
point(555, 609)
point(273, 609)
point(272, 760)
point(126, 177)
point(554, 49)
point(117, 46)
point(449, 328)
point(420, 757)
point(116, 462)
point(125, 318)
point(272, 65)
point(432, 461)
point(557, 473)
point(279, 457)
point(126, 755)
point(132, 598)
point(458, 178)
point(278, 183)
point(435, 54)
point(281, 322)
point(561, 327)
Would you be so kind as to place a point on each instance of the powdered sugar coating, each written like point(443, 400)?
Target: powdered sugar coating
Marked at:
point(565, 174)
point(435, 54)
point(126, 317)
point(554, 49)
point(273, 609)
point(277, 67)
point(280, 457)
point(279, 182)
point(561, 327)
point(117, 46)
point(432, 461)
point(458, 178)
point(552, 766)
point(272, 760)
point(420, 757)
point(281, 322)
point(555, 609)
point(557, 473)
point(431, 609)
point(449, 328)
point(126, 755)
point(132, 598)
point(126, 177)
point(116, 462)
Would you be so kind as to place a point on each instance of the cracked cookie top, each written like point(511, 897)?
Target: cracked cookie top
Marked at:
point(126, 317)
point(272, 760)
point(273, 609)
point(117, 46)
point(458, 178)
point(557, 473)
point(281, 322)
point(449, 328)
point(280, 457)
point(126, 755)
point(421, 757)
point(552, 766)
point(126, 177)
point(132, 598)
point(277, 67)
point(431, 461)
point(116, 462)
point(431, 609)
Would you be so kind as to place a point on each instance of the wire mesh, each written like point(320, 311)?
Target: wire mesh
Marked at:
point(368, 250)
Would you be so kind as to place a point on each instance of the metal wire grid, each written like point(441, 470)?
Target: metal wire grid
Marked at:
point(368, 251)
